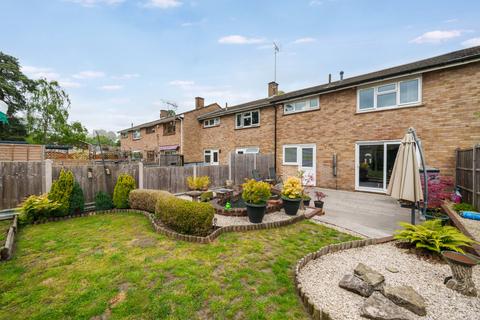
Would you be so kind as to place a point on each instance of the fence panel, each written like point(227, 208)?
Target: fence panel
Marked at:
point(173, 179)
point(218, 174)
point(19, 180)
point(244, 164)
point(468, 175)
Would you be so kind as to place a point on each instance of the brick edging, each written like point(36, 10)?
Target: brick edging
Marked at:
point(313, 310)
point(6, 251)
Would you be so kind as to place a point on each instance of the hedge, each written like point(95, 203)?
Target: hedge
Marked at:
point(125, 184)
point(146, 199)
point(183, 216)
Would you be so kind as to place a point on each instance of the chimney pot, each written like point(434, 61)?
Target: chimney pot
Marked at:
point(272, 89)
point(199, 102)
point(341, 75)
point(329, 78)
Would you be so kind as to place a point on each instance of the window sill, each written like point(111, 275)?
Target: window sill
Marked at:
point(135, 139)
point(390, 108)
point(169, 134)
point(297, 112)
point(217, 125)
point(241, 128)
point(289, 164)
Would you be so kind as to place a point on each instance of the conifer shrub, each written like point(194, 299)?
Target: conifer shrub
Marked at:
point(125, 184)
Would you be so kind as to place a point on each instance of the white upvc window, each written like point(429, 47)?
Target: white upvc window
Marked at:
point(247, 119)
point(136, 134)
point(210, 156)
point(211, 122)
point(290, 155)
point(247, 150)
point(301, 105)
point(398, 94)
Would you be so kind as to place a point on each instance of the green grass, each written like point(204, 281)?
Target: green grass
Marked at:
point(116, 265)
point(4, 226)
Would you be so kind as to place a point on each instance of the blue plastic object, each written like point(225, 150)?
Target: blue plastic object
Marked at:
point(470, 215)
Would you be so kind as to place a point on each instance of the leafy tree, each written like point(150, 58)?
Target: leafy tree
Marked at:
point(14, 90)
point(106, 138)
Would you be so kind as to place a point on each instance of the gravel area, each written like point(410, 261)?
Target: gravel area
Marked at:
point(320, 279)
point(473, 226)
point(223, 221)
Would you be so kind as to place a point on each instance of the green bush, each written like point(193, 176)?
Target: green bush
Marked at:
point(61, 191)
point(431, 235)
point(206, 196)
point(463, 207)
point(183, 216)
point(146, 199)
point(103, 201)
point(125, 184)
point(38, 208)
point(198, 183)
point(77, 200)
point(256, 192)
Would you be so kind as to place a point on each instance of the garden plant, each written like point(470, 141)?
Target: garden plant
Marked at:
point(125, 184)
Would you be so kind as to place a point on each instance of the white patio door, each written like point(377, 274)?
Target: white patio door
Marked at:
point(307, 156)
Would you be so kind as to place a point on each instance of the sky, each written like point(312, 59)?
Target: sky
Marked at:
point(120, 61)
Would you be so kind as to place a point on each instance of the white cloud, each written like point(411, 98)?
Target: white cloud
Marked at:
point(450, 20)
point(162, 4)
point(40, 72)
point(89, 74)
point(67, 83)
point(181, 83)
point(314, 3)
point(111, 87)
point(238, 39)
point(471, 42)
point(94, 3)
point(304, 40)
point(193, 23)
point(437, 36)
point(126, 76)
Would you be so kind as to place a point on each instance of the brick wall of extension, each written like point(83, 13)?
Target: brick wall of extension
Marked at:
point(444, 122)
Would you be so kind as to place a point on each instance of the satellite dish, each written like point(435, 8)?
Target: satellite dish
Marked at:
point(3, 107)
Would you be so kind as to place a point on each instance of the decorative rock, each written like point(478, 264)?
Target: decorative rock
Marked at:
point(368, 275)
point(392, 269)
point(378, 307)
point(356, 285)
point(407, 297)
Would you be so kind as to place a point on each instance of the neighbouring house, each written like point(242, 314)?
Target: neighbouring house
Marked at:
point(345, 134)
point(162, 140)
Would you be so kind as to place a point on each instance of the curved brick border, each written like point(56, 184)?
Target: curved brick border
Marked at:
point(242, 212)
point(313, 310)
point(160, 228)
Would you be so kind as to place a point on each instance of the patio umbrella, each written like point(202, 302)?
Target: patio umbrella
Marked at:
point(405, 181)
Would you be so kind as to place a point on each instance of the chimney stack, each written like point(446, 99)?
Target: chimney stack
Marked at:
point(163, 114)
point(199, 103)
point(329, 78)
point(272, 89)
point(341, 75)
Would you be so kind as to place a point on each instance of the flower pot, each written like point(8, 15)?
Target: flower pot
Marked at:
point(306, 202)
point(318, 204)
point(255, 212)
point(291, 205)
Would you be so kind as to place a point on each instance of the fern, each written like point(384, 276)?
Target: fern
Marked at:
point(432, 236)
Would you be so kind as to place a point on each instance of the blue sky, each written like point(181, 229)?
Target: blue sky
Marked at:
point(119, 60)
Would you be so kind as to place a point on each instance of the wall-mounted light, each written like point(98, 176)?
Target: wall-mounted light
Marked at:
point(90, 173)
point(107, 171)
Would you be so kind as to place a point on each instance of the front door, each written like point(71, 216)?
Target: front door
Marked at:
point(307, 156)
point(374, 165)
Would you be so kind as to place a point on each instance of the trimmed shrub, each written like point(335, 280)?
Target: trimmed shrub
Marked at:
point(292, 188)
point(198, 183)
point(103, 201)
point(146, 199)
point(38, 208)
point(61, 191)
point(256, 192)
point(77, 200)
point(206, 196)
point(183, 216)
point(125, 184)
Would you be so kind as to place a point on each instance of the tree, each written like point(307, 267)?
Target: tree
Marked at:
point(47, 116)
point(14, 90)
point(107, 138)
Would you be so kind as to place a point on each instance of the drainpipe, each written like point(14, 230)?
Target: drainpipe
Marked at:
point(181, 135)
point(422, 158)
point(275, 140)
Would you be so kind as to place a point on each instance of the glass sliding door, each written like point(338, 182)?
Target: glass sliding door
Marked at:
point(374, 164)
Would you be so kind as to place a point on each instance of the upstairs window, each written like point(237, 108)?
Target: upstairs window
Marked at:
point(136, 134)
point(169, 128)
point(391, 95)
point(301, 105)
point(247, 119)
point(150, 130)
point(124, 135)
point(211, 122)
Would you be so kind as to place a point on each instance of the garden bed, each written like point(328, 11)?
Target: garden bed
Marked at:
point(318, 281)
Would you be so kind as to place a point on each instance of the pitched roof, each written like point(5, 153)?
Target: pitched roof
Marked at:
point(151, 123)
point(444, 60)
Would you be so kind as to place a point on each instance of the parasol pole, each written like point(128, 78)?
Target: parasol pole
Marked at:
point(422, 158)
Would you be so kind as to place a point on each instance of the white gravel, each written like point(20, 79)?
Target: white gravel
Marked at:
point(320, 279)
point(473, 226)
point(223, 221)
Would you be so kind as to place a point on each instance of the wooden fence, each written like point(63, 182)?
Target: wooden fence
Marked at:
point(21, 152)
point(18, 179)
point(468, 175)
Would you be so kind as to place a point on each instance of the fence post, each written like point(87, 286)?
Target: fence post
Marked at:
point(140, 175)
point(47, 175)
point(474, 175)
point(230, 165)
point(194, 170)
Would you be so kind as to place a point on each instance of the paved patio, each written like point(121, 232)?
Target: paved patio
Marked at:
point(368, 214)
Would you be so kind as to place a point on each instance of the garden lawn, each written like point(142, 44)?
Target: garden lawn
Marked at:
point(4, 226)
point(116, 266)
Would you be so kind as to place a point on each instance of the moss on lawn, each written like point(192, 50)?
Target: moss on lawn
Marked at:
point(115, 265)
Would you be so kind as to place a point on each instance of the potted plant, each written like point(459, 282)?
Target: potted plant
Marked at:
point(306, 200)
point(439, 189)
point(292, 195)
point(255, 194)
point(319, 195)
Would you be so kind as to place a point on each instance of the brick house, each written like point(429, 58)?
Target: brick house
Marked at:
point(345, 134)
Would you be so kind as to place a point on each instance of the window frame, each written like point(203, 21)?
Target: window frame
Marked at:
point(135, 136)
point(170, 124)
point(317, 98)
point(243, 117)
point(397, 104)
point(216, 122)
point(290, 146)
point(150, 130)
point(211, 152)
point(244, 149)
point(124, 135)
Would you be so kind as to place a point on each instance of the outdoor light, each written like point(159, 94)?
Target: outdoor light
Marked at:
point(89, 173)
point(107, 171)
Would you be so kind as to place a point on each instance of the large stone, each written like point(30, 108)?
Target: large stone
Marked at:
point(407, 297)
point(378, 307)
point(356, 285)
point(369, 275)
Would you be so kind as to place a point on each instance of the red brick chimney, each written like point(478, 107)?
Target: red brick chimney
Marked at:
point(272, 89)
point(199, 103)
